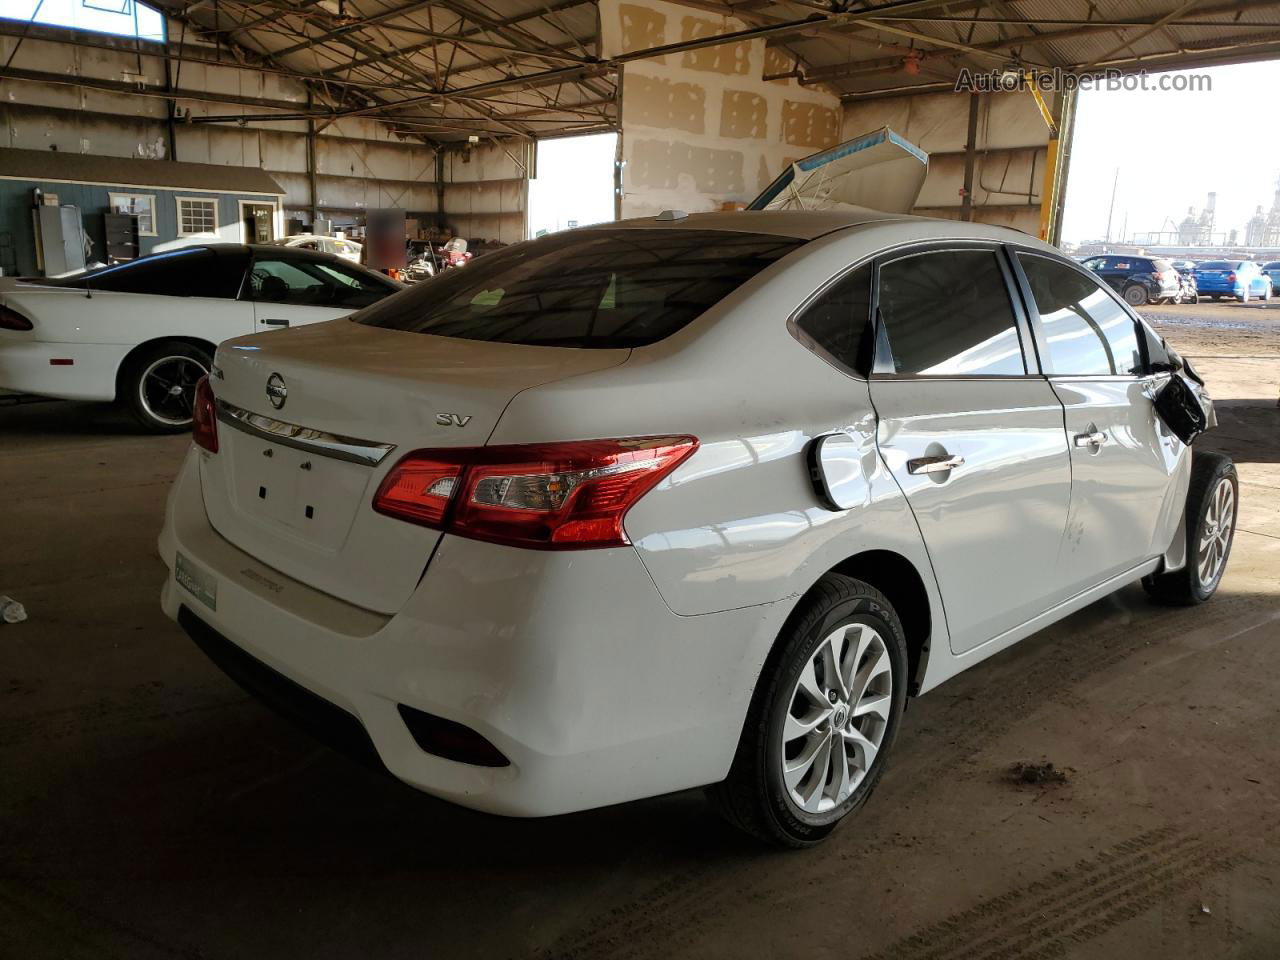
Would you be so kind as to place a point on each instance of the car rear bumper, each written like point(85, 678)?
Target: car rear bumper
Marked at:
point(26, 366)
point(570, 664)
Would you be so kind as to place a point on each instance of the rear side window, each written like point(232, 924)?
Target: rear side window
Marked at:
point(190, 272)
point(948, 314)
point(1088, 333)
point(834, 326)
point(596, 288)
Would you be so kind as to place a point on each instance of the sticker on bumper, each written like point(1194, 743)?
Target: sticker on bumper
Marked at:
point(201, 585)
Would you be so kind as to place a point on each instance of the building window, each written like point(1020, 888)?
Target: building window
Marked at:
point(197, 216)
point(141, 205)
point(120, 18)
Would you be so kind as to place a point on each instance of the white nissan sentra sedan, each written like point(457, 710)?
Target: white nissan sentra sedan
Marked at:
point(682, 502)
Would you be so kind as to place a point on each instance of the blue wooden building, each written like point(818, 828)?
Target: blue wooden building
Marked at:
point(171, 199)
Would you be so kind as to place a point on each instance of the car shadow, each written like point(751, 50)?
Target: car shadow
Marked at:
point(1246, 430)
point(38, 417)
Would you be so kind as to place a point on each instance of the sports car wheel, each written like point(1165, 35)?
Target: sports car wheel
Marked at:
point(823, 718)
point(1212, 509)
point(1135, 295)
point(159, 385)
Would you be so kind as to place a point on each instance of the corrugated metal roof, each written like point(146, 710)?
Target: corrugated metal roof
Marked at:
point(57, 167)
point(444, 69)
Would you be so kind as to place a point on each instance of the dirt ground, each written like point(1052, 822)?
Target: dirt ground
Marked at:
point(149, 809)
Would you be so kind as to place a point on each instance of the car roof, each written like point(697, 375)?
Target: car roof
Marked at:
point(273, 250)
point(812, 224)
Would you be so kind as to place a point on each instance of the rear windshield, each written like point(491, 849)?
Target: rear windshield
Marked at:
point(598, 288)
point(187, 272)
point(1215, 265)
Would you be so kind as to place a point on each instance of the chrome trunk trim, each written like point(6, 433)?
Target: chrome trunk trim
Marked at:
point(319, 442)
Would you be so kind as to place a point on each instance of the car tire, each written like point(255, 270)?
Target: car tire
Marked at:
point(1213, 500)
point(841, 621)
point(157, 384)
point(1135, 295)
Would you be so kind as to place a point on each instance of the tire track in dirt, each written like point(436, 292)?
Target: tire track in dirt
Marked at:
point(1073, 906)
point(709, 894)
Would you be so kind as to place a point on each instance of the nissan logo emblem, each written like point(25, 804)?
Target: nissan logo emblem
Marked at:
point(277, 392)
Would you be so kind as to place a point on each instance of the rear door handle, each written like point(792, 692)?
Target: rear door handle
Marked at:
point(275, 322)
point(939, 464)
point(1095, 439)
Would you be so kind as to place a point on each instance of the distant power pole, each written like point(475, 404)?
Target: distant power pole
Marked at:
point(1112, 209)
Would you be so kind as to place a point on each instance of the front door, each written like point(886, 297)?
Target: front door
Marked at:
point(972, 436)
point(259, 222)
point(294, 289)
point(1127, 466)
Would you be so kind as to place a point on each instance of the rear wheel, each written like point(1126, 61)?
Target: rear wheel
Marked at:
point(1135, 295)
point(1212, 509)
point(158, 385)
point(823, 718)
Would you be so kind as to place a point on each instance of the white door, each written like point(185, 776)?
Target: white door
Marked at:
point(1124, 460)
point(291, 290)
point(973, 438)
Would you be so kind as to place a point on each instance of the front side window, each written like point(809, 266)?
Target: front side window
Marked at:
point(197, 216)
point(1088, 333)
point(140, 205)
point(306, 284)
point(948, 313)
point(835, 325)
point(594, 288)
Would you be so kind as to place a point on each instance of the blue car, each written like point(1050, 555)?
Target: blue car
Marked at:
point(1242, 279)
point(1272, 270)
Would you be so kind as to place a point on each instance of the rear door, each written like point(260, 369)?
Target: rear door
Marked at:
point(972, 434)
point(1124, 460)
point(289, 291)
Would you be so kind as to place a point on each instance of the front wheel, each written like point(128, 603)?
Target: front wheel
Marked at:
point(823, 717)
point(1135, 295)
point(158, 384)
point(1211, 511)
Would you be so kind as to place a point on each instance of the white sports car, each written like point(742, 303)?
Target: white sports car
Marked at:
point(684, 501)
point(144, 332)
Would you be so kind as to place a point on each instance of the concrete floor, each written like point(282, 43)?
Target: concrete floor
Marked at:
point(149, 809)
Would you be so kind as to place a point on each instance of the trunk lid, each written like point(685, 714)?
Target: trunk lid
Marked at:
point(292, 484)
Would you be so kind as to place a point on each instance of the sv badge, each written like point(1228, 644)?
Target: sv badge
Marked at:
point(452, 420)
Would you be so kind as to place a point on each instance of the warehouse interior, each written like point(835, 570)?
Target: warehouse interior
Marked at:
point(148, 808)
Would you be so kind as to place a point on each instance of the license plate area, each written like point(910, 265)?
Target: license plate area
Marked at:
point(310, 498)
point(196, 581)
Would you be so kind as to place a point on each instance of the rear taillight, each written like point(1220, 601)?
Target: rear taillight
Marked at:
point(1231, 277)
point(13, 320)
point(204, 418)
point(551, 496)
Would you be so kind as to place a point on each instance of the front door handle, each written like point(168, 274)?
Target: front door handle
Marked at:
point(1095, 439)
point(275, 322)
point(939, 464)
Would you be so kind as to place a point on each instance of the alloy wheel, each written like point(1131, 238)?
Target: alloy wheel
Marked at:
point(1215, 537)
point(167, 388)
point(837, 718)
